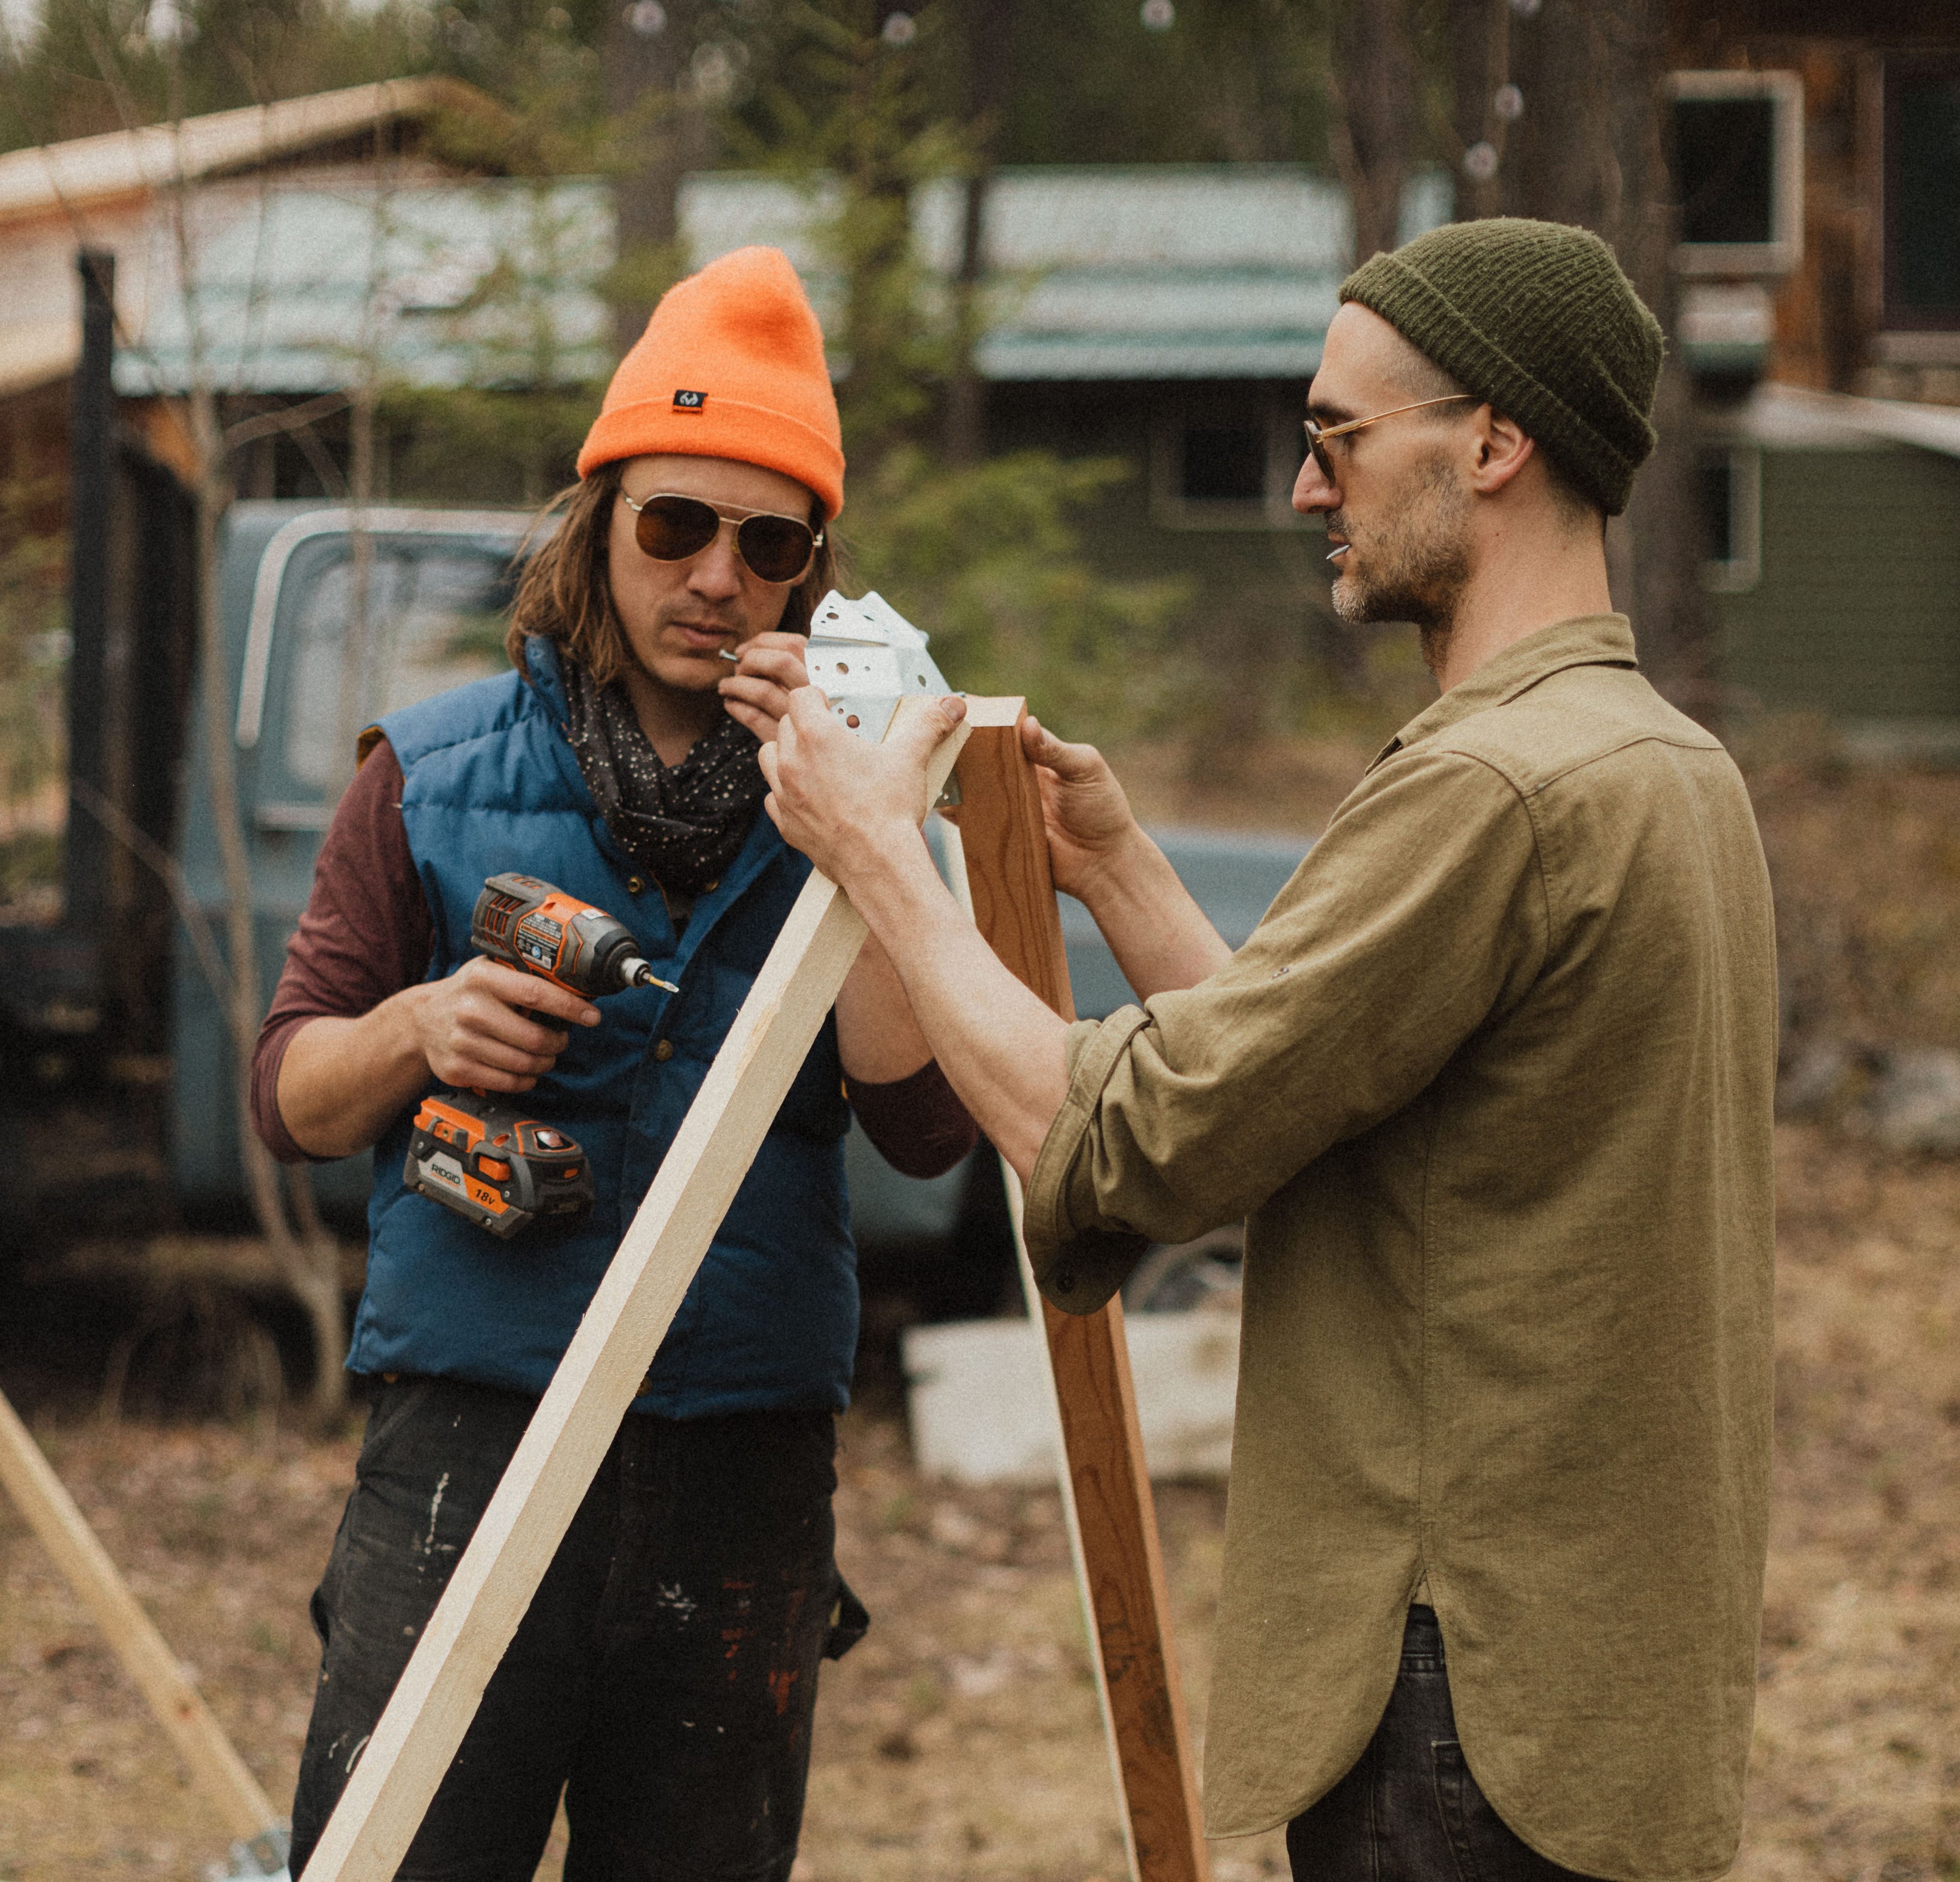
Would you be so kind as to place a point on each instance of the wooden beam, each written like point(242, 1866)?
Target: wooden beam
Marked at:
point(962, 885)
point(50, 1511)
point(561, 1451)
point(1000, 822)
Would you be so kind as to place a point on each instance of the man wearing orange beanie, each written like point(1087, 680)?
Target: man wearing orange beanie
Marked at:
point(664, 1678)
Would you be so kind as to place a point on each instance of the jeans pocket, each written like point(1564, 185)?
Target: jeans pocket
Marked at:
point(1485, 1847)
point(1455, 1790)
point(320, 1603)
point(390, 1412)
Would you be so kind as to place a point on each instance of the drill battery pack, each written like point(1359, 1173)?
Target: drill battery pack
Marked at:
point(492, 1165)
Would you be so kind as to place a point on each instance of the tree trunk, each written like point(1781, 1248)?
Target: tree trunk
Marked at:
point(1479, 61)
point(664, 133)
point(1588, 149)
point(1375, 114)
point(988, 31)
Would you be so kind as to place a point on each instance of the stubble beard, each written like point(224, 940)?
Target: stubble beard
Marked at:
point(1416, 566)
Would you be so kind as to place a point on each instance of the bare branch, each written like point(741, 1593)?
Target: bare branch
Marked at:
point(292, 418)
point(147, 850)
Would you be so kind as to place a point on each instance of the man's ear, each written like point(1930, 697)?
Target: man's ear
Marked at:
point(1502, 450)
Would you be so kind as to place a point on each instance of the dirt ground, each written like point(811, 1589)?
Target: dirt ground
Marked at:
point(960, 1742)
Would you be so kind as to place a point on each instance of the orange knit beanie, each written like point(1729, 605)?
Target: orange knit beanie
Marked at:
point(731, 365)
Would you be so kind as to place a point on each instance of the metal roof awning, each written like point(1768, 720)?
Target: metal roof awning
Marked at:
point(1107, 273)
point(305, 280)
point(303, 288)
point(1795, 418)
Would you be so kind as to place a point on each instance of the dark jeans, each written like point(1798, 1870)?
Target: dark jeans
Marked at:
point(1410, 1811)
point(664, 1676)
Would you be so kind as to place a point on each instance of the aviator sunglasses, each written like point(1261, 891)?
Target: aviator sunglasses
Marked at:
point(1317, 434)
point(671, 528)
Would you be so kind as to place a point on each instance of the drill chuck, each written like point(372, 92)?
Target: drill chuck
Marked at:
point(634, 973)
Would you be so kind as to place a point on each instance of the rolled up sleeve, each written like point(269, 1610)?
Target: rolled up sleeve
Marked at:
point(1421, 912)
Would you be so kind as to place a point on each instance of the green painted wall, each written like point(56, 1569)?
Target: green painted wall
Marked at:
point(1856, 613)
point(1127, 536)
point(1256, 642)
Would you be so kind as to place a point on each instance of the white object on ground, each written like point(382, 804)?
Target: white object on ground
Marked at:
point(978, 1413)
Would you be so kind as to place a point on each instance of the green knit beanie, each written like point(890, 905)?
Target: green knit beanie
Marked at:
point(1538, 318)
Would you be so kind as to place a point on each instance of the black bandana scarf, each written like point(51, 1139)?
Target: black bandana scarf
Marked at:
point(683, 824)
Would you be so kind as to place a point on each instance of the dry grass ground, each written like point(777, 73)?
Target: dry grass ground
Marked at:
point(1857, 1764)
point(959, 1743)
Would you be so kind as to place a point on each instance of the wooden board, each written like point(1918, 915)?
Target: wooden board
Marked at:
point(1000, 830)
point(50, 1512)
point(417, 1738)
point(1041, 1402)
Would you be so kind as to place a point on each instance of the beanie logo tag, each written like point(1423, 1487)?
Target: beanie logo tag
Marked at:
point(690, 401)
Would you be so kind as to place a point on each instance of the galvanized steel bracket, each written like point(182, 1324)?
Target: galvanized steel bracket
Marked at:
point(864, 657)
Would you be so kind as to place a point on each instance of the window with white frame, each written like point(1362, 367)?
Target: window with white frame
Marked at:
point(1729, 483)
point(1227, 462)
point(1738, 141)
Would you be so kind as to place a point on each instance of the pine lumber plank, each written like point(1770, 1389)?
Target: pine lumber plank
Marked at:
point(51, 1513)
point(561, 1451)
point(1013, 890)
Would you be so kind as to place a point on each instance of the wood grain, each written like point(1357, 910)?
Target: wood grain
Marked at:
point(417, 1738)
point(51, 1513)
point(999, 824)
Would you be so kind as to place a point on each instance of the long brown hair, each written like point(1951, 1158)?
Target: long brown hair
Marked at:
point(563, 595)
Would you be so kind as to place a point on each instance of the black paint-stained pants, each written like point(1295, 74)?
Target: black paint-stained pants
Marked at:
point(1410, 1811)
point(664, 1677)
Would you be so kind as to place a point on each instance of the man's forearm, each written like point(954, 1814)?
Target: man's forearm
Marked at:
point(878, 1038)
point(343, 1081)
point(1001, 1049)
point(1162, 939)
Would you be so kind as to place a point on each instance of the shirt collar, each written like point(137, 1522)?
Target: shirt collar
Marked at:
point(1588, 640)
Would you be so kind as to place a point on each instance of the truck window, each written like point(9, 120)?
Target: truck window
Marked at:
point(434, 620)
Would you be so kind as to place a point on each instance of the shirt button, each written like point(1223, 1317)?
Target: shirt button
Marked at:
point(664, 1050)
point(712, 886)
point(634, 885)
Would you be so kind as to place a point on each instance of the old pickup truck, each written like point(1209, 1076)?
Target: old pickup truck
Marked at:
point(437, 582)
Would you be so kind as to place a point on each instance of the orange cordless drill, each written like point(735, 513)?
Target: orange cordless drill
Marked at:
point(484, 1158)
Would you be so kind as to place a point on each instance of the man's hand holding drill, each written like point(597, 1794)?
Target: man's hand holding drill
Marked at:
point(488, 1027)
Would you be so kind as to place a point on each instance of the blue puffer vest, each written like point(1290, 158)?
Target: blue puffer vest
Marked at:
point(771, 1322)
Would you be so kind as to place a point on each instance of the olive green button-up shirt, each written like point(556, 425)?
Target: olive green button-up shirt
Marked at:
point(1491, 1085)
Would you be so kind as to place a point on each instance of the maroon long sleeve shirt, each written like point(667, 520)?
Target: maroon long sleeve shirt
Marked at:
point(367, 934)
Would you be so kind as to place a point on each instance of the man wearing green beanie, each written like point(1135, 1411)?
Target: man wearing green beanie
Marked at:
point(1490, 1084)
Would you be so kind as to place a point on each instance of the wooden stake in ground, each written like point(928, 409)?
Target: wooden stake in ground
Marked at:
point(220, 1773)
point(1007, 861)
point(387, 1797)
